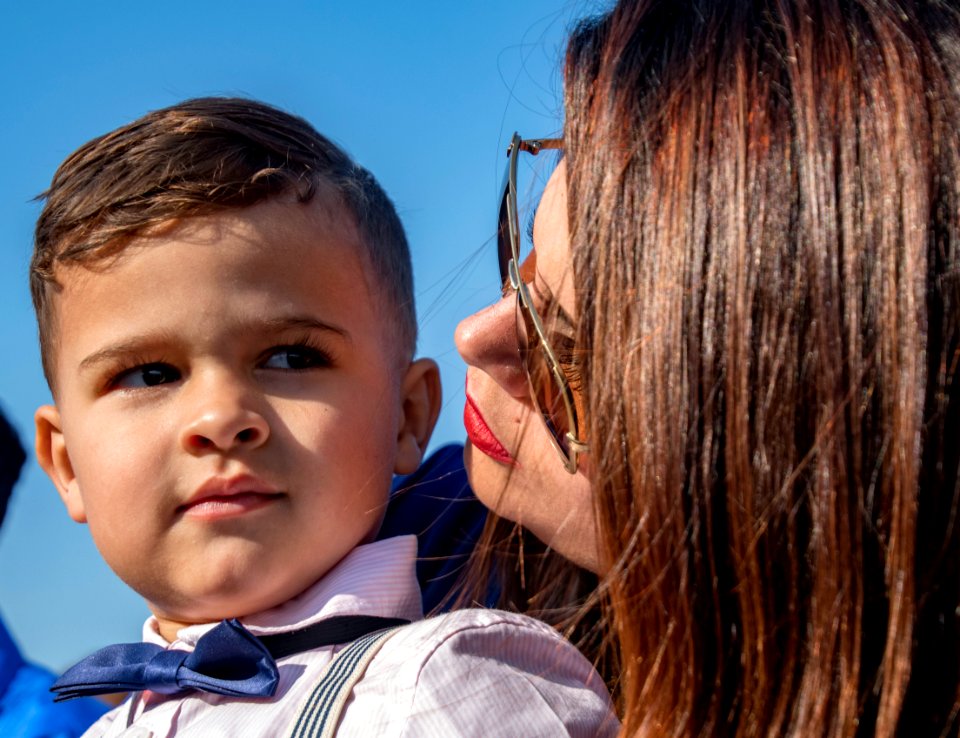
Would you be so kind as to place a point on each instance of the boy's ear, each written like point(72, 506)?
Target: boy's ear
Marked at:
point(421, 395)
point(51, 449)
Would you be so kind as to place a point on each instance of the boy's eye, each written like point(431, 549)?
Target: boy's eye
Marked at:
point(295, 358)
point(146, 375)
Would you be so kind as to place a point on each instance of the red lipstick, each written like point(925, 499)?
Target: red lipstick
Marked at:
point(480, 435)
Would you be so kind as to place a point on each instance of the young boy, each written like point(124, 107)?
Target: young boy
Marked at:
point(227, 327)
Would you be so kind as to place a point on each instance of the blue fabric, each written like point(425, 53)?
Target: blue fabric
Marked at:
point(436, 504)
point(27, 709)
point(227, 659)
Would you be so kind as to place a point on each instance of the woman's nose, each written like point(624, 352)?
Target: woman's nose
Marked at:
point(487, 340)
point(222, 417)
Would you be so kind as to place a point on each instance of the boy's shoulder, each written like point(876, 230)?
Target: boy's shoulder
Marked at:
point(435, 632)
point(452, 674)
point(466, 672)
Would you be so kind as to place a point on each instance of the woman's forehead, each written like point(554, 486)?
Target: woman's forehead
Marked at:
point(552, 240)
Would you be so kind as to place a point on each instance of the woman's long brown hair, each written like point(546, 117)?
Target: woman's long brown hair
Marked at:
point(765, 220)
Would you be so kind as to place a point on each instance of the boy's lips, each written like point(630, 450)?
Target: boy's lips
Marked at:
point(220, 497)
point(480, 435)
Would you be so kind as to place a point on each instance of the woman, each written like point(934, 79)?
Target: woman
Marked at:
point(748, 278)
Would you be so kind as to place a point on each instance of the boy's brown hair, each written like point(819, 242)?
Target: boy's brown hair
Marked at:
point(200, 157)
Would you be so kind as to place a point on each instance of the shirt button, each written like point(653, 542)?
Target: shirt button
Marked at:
point(136, 732)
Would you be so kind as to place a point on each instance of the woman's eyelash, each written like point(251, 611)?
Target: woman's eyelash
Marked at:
point(569, 358)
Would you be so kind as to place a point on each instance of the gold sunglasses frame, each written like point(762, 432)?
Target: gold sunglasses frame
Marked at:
point(508, 220)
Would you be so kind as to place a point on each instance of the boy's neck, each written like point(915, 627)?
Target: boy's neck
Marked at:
point(168, 628)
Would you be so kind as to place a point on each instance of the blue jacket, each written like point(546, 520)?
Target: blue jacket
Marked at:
point(436, 504)
point(27, 709)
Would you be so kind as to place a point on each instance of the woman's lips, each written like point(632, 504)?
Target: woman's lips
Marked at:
point(480, 435)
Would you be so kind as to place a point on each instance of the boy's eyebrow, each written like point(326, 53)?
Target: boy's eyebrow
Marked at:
point(300, 322)
point(114, 352)
point(296, 322)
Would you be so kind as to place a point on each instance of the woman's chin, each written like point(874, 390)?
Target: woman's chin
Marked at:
point(542, 497)
point(488, 478)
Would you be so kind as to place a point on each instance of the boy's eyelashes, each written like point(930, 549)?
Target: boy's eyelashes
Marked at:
point(145, 375)
point(293, 357)
point(296, 357)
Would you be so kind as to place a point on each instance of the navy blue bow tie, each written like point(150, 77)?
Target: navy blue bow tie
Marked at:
point(228, 660)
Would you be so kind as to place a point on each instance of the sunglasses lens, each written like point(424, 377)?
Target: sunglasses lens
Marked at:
point(521, 194)
point(504, 250)
point(544, 389)
point(523, 187)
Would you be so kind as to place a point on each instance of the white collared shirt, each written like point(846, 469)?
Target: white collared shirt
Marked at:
point(466, 673)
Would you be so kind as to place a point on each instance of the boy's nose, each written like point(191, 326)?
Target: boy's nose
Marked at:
point(223, 420)
point(487, 340)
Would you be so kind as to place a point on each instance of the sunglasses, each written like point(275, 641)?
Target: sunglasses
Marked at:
point(549, 387)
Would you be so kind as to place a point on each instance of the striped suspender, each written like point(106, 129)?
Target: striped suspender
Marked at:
point(321, 711)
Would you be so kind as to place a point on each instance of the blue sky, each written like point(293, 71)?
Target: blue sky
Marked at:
point(425, 94)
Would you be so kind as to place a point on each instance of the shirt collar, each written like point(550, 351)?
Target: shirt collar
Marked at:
point(374, 579)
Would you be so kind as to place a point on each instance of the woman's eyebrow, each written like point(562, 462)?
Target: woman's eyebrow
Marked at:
point(539, 284)
point(531, 219)
point(550, 304)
